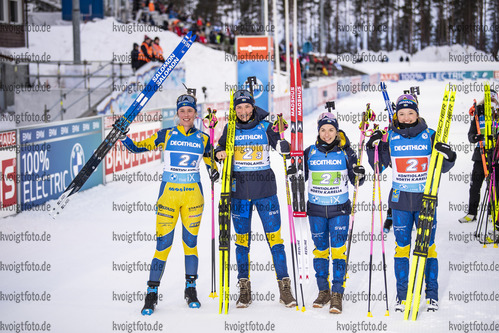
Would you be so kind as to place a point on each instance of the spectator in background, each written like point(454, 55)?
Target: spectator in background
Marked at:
point(176, 28)
point(207, 29)
point(151, 8)
point(202, 37)
point(135, 57)
point(213, 37)
point(157, 51)
point(145, 53)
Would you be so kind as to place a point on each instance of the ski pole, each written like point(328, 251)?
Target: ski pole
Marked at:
point(369, 314)
point(212, 122)
point(483, 212)
point(364, 125)
point(280, 126)
point(377, 176)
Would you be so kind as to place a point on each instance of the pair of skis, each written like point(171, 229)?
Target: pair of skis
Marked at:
point(120, 127)
point(224, 212)
point(428, 210)
point(224, 208)
point(297, 180)
point(489, 153)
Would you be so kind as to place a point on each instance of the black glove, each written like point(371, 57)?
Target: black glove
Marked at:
point(446, 150)
point(292, 169)
point(374, 139)
point(480, 109)
point(359, 170)
point(388, 222)
point(282, 147)
point(214, 176)
point(478, 137)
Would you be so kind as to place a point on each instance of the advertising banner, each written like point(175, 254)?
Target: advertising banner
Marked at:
point(8, 170)
point(119, 159)
point(52, 155)
point(255, 58)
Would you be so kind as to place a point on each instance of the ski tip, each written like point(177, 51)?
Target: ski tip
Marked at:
point(495, 246)
point(387, 313)
point(54, 213)
point(213, 295)
point(369, 314)
point(297, 308)
point(303, 309)
point(147, 312)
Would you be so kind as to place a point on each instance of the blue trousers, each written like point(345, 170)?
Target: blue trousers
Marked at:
point(403, 221)
point(329, 233)
point(268, 209)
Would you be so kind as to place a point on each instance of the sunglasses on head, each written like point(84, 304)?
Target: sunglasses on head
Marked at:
point(242, 93)
point(326, 116)
point(406, 97)
point(186, 98)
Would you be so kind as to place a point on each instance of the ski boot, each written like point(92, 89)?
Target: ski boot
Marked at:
point(323, 298)
point(336, 306)
point(244, 299)
point(467, 219)
point(190, 293)
point(400, 305)
point(151, 298)
point(432, 305)
point(285, 296)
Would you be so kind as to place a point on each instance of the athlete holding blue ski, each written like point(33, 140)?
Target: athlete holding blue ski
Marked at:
point(180, 194)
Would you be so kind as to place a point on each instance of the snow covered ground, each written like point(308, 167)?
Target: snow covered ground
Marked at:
point(99, 259)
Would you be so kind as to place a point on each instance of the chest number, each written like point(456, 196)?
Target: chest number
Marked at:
point(184, 161)
point(414, 165)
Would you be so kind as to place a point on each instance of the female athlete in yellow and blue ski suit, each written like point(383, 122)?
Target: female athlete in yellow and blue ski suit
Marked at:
point(180, 192)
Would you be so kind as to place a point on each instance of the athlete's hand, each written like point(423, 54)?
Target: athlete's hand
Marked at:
point(375, 139)
point(214, 176)
point(123, 135)
point(221, 155)
point(359, 171)
point(478, 137)
point(282, 147)
point(446, 151)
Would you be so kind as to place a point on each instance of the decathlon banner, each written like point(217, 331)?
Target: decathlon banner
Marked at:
point(255, 57)
point(50, 156)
